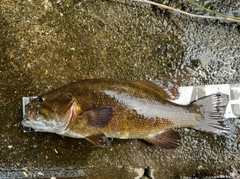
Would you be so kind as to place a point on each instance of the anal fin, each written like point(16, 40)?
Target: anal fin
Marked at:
point(99, 140)
point(168, 139)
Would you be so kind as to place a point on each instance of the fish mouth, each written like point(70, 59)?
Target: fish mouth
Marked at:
point(27, 125)
point(30, 114)
point(30, 111)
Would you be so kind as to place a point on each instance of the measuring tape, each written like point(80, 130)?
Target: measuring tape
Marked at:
point(191, 93)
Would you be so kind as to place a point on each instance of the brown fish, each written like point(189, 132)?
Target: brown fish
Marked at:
point(101, 108)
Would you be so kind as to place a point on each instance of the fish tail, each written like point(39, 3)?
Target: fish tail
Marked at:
point(213, 108)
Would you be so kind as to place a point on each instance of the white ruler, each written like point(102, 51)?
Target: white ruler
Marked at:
point(191, 93)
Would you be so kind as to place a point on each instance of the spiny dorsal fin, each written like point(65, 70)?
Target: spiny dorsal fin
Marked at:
point(168, 139)
point(166, 91)
point(98, 117)
point(99, 140)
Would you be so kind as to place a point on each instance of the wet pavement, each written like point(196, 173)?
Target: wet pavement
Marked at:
point(47, 44)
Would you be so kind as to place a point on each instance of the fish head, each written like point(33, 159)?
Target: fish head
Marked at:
point(54, 114)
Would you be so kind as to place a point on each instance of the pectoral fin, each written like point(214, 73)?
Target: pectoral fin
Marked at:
point(169, 139)
point(99, 140)
point(98, 117)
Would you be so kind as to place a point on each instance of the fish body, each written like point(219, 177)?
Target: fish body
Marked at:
point(101, 108)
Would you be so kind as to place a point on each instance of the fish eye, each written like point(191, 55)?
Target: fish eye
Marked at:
point(70, 96)
point(40, 100)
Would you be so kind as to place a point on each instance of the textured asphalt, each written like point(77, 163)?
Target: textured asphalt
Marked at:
point(47, 44)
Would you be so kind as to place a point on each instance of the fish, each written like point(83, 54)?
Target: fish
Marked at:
point(100, 110)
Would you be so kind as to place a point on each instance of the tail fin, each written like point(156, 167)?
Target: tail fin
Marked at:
point(213, 108)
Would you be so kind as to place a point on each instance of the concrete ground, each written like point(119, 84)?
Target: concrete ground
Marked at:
point(47, 44)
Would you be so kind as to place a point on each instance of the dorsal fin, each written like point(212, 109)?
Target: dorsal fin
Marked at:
point(166, 91)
